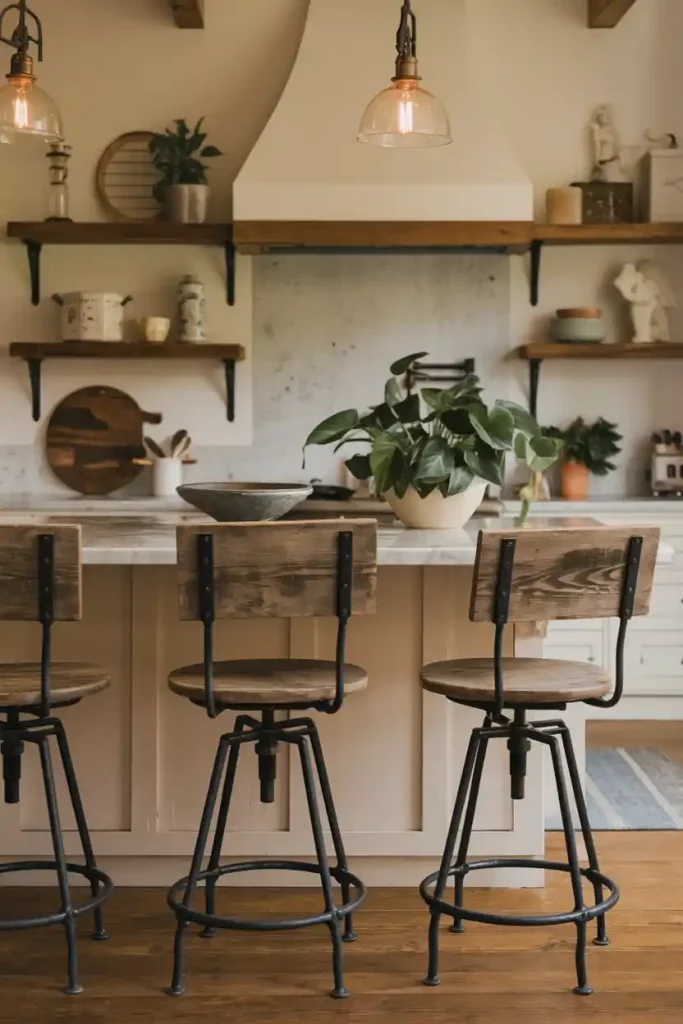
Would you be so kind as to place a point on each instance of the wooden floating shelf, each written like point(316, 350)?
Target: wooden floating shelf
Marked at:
point(33, 354)
point(629, 350)
point(609, 234)
point(607, 13)
point(537, 352)
point(36, 234)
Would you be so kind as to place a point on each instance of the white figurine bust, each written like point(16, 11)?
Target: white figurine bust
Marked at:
point(606, 146)
point(648, 290)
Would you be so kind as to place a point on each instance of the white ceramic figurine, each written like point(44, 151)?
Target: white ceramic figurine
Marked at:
point(649, 292)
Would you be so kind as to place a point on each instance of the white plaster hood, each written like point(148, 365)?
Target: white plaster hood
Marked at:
point(308, 169)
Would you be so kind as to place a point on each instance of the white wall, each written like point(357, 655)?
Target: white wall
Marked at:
point(544, 72)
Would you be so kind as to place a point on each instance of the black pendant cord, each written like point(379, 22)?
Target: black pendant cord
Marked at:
point(406, 37)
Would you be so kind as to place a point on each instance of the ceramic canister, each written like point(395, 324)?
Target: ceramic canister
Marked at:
point(191, 308)
point(92, 316)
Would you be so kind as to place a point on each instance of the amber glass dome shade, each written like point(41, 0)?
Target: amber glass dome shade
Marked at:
point(405, 116)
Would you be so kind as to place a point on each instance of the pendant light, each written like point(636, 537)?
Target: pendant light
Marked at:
point(405, 116)
point(24, 108)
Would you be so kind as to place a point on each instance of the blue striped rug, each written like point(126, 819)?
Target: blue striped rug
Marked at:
point(632, 790)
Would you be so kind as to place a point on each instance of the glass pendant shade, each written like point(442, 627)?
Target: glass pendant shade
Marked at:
point(405, 116)
point(26, 109)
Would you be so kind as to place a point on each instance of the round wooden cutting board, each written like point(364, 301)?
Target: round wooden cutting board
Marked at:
point(94, 440)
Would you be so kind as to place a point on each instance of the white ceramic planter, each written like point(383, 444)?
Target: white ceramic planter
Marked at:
point(167, 476)
point(186, 204)
point(436, 512)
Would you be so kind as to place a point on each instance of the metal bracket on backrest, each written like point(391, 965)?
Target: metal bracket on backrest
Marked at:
point(206, 610)
point(501, 605)
point(344, 574)
point(46, 573)
point(628, 594)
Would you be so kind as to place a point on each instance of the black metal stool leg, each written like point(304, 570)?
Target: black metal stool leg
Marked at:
point(74, 987)
point(208, 932)
point(331, 811)
point(339, 992)
point(601, 939)
point(447, 859)
point(176, 988)
point(463, 849)
point(582, 988)
point(100, 932)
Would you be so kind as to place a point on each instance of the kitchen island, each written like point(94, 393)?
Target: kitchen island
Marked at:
point(394, 753)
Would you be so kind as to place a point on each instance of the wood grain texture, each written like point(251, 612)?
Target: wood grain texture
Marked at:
point(575, 573)
point(527, 680)
point(19, 572)
point(608, 234)
point(268, 681)
point(261, 235)
point(20, 682)
point(489, 975)
point(607, 13)
point(156, 232)
point(278, 570)
point(94, 437)
point(188, 13)
point(124, 350)
point(628, 350)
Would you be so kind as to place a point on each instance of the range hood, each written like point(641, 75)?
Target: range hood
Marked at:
point(309, 184)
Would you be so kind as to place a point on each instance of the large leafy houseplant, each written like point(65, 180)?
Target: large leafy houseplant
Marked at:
point(436, 440)
point(178, 156)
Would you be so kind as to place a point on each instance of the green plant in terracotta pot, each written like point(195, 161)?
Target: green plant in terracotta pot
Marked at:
point(588, 448)
point(433, 453)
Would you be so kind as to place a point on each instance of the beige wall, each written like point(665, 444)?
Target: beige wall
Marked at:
point(543, 72)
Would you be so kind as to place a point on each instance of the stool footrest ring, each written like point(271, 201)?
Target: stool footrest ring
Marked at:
point(93, 875)
point(185, 913)
point(530, 920)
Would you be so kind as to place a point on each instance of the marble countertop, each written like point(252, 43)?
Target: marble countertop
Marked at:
point(146, 535)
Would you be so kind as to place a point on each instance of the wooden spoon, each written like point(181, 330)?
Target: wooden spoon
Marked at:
point(154, 448)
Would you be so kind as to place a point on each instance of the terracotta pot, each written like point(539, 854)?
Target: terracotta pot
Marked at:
point(186, 204)
point(436, 512)
point(574, 481)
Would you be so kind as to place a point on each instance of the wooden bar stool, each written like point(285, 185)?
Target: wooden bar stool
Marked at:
point(281, 570)
point(531, 575)
point(40, 580)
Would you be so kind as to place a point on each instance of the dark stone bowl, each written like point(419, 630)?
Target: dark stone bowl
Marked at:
point(244, 503)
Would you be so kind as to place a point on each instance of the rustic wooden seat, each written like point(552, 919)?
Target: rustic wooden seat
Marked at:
point(281, 570)
point(536, 575)
point(20, 682)
point(527, 681)
point(268, 682)
point(40, 581)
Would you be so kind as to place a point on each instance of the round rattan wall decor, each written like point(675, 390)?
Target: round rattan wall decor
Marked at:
point(125, 177)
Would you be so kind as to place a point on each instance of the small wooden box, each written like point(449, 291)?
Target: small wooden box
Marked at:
point(661, 184)
point(606, 202)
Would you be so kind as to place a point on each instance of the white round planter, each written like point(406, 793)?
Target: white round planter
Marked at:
point(436, 512)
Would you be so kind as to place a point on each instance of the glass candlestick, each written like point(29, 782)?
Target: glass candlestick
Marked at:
point(59, 155)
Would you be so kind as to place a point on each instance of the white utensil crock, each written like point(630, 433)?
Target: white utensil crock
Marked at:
point(167, 476)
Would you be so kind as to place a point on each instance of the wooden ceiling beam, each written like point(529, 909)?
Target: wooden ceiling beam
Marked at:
point(188, 13)
point(607, 13)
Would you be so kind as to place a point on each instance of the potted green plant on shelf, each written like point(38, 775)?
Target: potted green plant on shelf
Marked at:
point(587, 448)
point(433, 453)
point(178, 156)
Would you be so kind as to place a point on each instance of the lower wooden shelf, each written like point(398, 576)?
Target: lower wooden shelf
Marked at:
point(33, 353)
point(537, 352)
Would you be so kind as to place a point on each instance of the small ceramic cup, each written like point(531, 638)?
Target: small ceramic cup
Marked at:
point(155, 328)
point(167, 476)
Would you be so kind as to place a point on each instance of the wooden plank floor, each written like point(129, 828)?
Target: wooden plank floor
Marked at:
point(489, 975)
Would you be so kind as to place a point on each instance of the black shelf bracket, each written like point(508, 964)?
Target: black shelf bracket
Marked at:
point(33, 251)
point(230, 271)
point(535, 278)
point(229, 365)
point(34, 368)
point(439, 373)
point(534, 376)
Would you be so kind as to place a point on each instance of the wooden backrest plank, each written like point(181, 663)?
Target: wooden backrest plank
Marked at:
point(19, 572)
point(575, 573)
point(278, 570)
